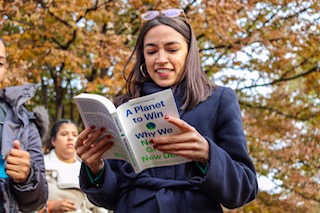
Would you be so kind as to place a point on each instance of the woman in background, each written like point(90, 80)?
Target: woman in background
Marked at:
point(62, 171)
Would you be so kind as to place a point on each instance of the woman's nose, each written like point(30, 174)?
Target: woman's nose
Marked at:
point(72, 137)
point(162, 57)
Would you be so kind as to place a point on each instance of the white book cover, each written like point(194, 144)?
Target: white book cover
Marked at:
point(132, 125)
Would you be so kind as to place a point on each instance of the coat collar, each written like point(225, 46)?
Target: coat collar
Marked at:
point(18, 95)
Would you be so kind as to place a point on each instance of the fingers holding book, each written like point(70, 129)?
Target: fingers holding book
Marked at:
point(88, 137)
point(91, 144)
point(189, 143)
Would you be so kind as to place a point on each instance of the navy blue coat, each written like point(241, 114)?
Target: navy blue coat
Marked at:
point(229, 181)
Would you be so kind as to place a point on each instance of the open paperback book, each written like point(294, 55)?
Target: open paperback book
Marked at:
point(132, 125)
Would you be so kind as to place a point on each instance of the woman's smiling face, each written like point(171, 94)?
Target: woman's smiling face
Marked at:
point(165, 51)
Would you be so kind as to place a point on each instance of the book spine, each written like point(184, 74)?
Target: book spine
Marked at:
point(129, 150)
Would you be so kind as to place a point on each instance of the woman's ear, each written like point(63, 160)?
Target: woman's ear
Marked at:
point(53, 142)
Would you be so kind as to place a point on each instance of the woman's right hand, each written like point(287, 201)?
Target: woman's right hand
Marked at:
point(90, 146)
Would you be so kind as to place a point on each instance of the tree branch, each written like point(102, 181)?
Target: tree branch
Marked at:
point(271, 109)
point(283, 79)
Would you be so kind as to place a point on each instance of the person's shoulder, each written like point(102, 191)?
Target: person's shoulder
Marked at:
point(41, 120)
point(16, 96)
point(51, 160)
point(25, 89)
point(223, 94)
point(223, 88)
point(47, 158)
point(223, 91)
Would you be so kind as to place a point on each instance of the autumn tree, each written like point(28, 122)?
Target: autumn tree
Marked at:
point(268, 51)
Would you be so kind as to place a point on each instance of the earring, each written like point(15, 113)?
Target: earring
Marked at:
point(142, 71)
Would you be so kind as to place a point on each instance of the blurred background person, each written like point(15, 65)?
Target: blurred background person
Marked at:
point(22, 174)
point(62, 171)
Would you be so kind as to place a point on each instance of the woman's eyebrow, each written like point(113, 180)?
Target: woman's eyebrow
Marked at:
point(166, 44)
point(150, 44)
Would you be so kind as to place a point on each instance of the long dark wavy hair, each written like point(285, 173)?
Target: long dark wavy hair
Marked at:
point(197, 85)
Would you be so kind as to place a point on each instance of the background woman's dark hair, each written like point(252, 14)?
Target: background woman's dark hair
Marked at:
point(197, 85)
point(53, 133)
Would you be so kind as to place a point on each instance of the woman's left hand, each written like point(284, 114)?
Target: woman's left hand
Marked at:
point(189, 143)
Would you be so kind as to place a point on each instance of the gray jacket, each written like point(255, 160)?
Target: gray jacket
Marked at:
point(28, 128)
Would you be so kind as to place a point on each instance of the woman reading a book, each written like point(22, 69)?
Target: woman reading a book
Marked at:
point(220, 171)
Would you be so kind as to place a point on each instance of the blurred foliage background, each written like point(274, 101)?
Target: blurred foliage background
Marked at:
point(267, 51)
